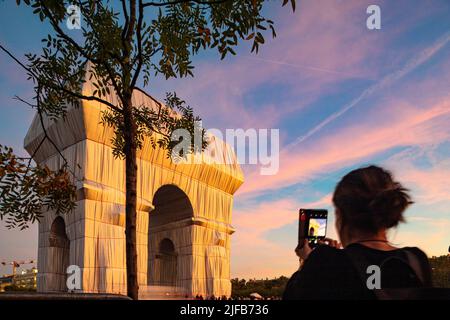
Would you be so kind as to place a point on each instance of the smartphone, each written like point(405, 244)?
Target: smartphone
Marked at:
point(312, 226)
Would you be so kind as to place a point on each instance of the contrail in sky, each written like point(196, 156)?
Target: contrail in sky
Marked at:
point(305, 67)
point(387, 80)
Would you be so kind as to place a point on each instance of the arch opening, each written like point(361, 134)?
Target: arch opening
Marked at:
point(166, 262)
point(171, 205)
point(59, 252)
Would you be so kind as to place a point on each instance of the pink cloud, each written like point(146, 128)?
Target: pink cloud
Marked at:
point(395, 124)
point(429, 184)
point(265, 217)
point(251, 251)
point(432, 243)
point(315, 49)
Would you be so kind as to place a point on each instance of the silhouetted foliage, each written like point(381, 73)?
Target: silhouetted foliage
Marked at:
point(14, 288)
point(266, 287)
point(26, 191)
point(441, 271)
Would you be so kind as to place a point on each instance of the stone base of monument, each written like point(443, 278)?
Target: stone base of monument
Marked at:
point(60, 296)
point(161, 293)
point(145, 293)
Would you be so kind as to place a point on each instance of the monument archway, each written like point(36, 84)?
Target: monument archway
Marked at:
point(59, 255)
point(167, 259)
point(189, 203)
point(171, 204)
point(171, 207)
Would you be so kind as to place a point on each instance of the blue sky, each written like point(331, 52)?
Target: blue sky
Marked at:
point(342, 97)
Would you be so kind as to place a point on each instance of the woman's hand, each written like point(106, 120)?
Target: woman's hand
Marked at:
point(304, 250)
point(331, 242)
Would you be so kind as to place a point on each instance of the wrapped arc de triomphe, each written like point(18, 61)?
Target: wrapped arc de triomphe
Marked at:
point(183, 218)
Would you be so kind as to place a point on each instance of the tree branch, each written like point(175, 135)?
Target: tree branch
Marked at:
point(127, 21)
point(45, 132)
point(44, 129)
point(139, 42)
point(82, 50)
point(69, 92)
point(169, 3)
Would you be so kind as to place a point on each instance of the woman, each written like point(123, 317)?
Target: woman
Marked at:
point(368, 202)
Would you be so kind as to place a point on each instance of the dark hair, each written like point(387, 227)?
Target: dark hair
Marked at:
point(369, 199)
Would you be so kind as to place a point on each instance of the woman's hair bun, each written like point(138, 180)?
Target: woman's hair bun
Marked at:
point(387, 207)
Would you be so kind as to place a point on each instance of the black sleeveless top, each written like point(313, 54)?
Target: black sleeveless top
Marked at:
point(329, 273)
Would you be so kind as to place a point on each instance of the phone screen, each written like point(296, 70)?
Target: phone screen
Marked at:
point(312, 225)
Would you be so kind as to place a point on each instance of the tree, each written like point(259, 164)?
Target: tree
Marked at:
point(440, 267)
point(266, 287)
point(122, 44)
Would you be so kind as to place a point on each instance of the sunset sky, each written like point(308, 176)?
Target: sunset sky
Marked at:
point(342, 97)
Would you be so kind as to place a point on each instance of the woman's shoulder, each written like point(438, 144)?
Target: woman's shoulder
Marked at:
point(381, 254)
point(326, 274)
point(418, 260)
point(424, 262)
point(417, 251)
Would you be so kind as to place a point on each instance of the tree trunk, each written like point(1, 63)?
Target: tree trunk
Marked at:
point(130, 210)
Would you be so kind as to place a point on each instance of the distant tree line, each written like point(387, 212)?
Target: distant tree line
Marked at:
point(441, 271)
point(265, 287)
point(275, 287)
